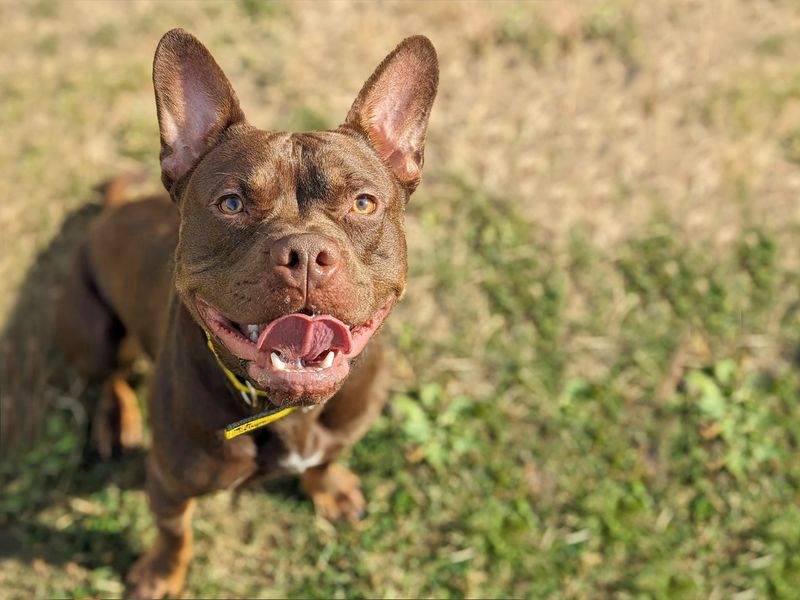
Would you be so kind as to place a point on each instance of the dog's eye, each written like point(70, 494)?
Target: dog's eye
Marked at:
point(364, 205)
point(231, 205)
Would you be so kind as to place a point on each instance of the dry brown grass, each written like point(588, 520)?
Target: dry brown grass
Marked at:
point(576, 137)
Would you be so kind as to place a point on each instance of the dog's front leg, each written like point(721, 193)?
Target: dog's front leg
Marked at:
point(333, 488)
point(162, 569)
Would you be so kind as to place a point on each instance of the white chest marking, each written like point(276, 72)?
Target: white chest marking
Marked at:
point(296, 463)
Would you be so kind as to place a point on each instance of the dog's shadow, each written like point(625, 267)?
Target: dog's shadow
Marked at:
point(34, 373)
point(91, 543)
point(36, 381)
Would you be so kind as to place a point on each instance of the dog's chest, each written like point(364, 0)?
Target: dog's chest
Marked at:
point(292, 445)
point(296, 462)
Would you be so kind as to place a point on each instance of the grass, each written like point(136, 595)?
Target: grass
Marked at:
point(596, 364)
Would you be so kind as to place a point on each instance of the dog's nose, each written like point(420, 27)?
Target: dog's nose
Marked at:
point(305, 258)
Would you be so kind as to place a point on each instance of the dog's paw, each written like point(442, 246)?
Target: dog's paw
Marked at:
point(155, 576)
point(335, 492)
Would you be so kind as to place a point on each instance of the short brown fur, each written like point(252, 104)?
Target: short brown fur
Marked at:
point(145, 265)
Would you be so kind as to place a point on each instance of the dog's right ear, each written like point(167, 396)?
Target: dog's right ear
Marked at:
point(195, 102)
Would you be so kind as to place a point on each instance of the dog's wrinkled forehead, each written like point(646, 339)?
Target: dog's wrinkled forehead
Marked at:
point(301, 169)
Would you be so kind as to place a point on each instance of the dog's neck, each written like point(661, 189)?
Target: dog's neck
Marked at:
point(186, 344)
point(246, 407)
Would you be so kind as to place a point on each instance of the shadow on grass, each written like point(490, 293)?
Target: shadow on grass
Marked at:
point(89, 548)
point(43, 424)
point(91, 543)
point(34, 372)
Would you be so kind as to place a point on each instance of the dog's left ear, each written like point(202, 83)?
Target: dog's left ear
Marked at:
point(195, 102)
point(393, 107)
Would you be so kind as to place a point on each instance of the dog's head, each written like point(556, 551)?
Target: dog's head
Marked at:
point(292, 247)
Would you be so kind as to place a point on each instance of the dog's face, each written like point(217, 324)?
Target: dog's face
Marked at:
point(292, 248)
point(308, 225)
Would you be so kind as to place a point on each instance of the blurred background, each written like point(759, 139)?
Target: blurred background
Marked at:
point(595, 367)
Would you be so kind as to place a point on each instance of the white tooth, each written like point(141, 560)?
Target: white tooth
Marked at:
point(277, 362)
point(328, 362)
point(252, 332)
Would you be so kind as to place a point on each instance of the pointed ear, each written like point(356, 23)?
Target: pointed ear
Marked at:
point(393, 107)
point(195, 102)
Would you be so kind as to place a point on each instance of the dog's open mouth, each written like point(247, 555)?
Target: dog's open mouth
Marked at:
point(296, 354)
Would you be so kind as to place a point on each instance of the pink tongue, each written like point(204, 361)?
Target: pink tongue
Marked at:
point(300, 336)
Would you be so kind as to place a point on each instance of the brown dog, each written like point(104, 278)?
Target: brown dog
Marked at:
point(255, 291)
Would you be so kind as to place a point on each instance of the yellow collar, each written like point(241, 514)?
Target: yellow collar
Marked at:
point(250, 395)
